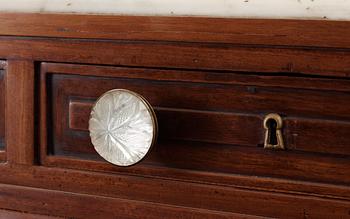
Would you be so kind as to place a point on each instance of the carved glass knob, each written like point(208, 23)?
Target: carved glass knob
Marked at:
point(123, 127)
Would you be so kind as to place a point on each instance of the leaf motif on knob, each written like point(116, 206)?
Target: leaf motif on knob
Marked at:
point(121, 127)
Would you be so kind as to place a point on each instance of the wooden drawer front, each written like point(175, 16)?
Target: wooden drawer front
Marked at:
point(208, 122)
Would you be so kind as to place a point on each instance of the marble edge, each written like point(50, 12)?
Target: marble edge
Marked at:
point(271, 9)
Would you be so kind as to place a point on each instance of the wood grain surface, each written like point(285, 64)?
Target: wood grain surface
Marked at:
point(211, 81)
point(209, 126)
point(304, 33)
point(80, 188)
point(19, 112)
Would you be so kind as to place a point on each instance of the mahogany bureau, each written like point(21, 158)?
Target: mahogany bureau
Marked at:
point(211, 82)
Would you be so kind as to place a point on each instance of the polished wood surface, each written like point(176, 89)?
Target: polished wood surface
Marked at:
point(74, 205)
point(330, 62)
point(204, 125)
point(19, 118)
point(245, 198)
point(212, 81)
point(303, 33)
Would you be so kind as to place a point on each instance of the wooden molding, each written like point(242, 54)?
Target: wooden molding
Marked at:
point(74, 205)
point(51, 182)
point(304, 33)
point(19, 112)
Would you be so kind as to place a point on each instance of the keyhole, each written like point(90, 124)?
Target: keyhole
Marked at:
point(272, 127)
point(273, 135)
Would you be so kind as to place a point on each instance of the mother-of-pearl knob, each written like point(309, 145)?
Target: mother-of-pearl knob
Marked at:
point(123, 127)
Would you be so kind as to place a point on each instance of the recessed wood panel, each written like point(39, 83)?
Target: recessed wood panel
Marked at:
point(210, 125)
point(225, 127)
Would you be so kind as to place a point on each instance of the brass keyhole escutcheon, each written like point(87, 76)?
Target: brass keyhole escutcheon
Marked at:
point(273, 132)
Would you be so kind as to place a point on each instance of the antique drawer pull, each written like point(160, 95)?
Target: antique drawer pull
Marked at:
point(273, 132)
point(123, 127)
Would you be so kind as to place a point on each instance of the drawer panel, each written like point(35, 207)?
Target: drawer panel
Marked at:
point(209, 122)
point(301, 134)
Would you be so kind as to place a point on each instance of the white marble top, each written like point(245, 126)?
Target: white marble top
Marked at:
point(300, 9)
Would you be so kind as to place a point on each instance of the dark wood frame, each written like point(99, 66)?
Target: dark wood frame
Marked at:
point(289, 47)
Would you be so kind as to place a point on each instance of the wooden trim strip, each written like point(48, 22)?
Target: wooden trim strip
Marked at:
point(179, 55)
point(193, 195)
point(73, 205)
point(260, 183)
point(208, 77)
point(19, 112)
point(309, 33)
